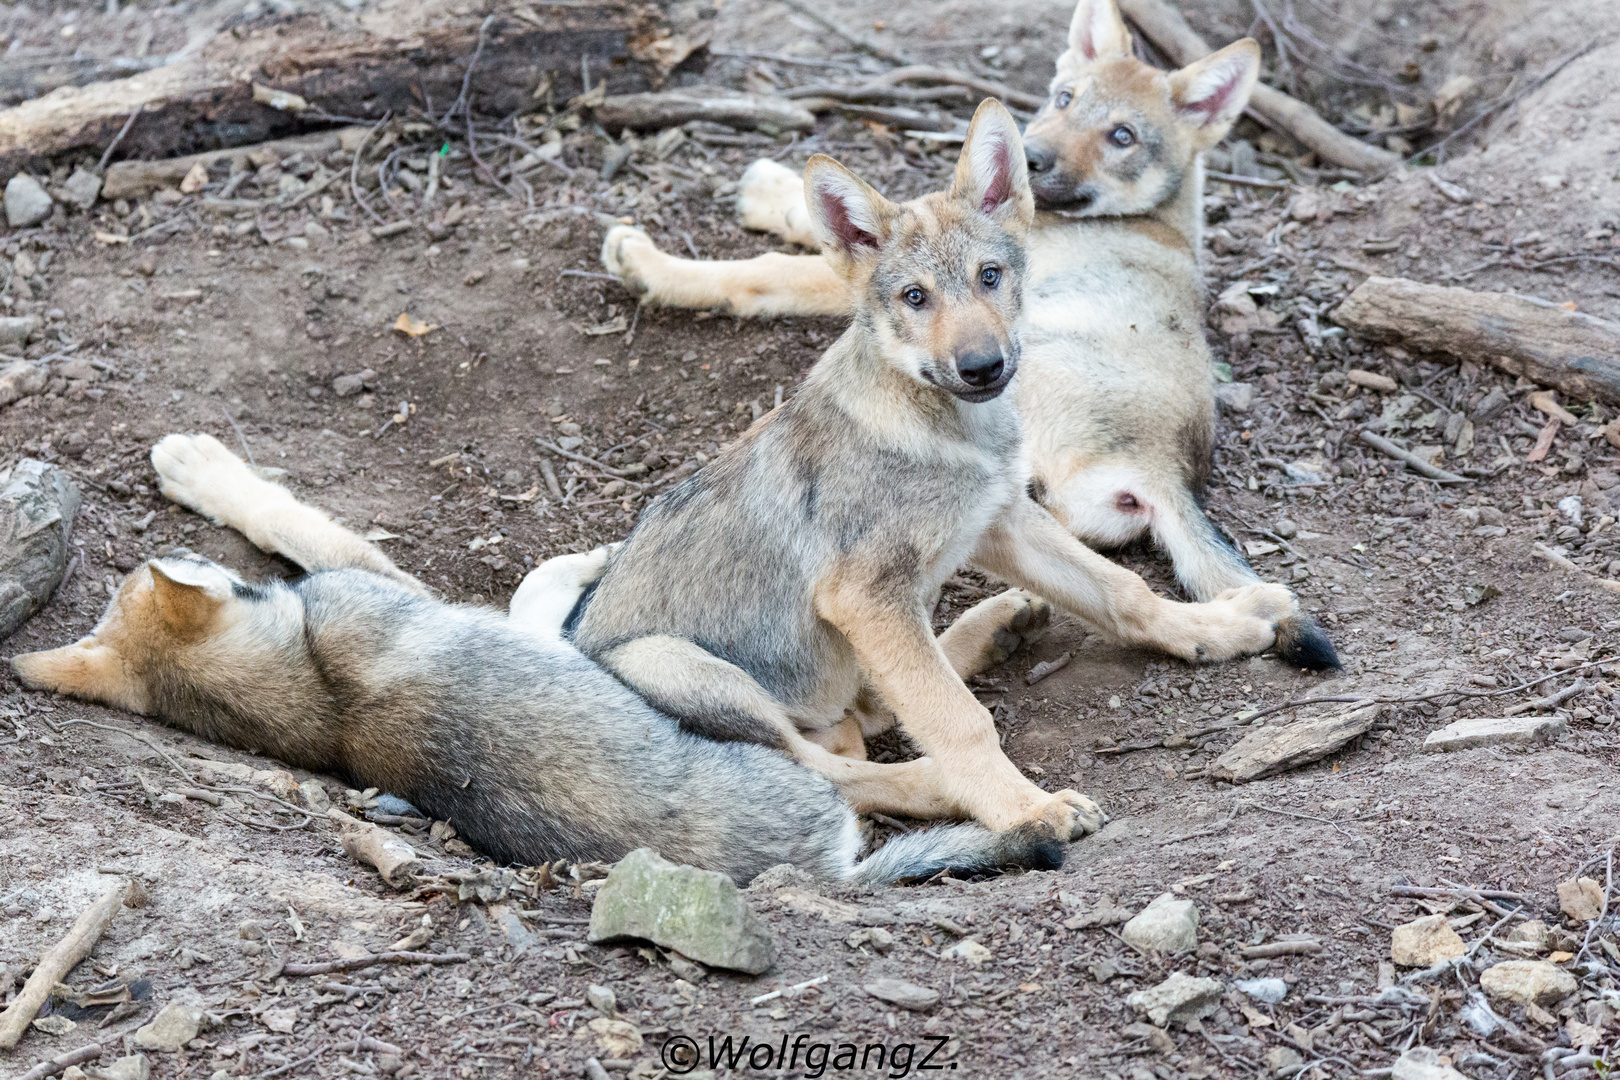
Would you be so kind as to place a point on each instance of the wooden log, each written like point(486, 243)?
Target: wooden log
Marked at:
point(132, 179)
point(1578, 354)
point(672, 108)
point(58, 960)
point(411, 63)
point(1269, 750)
point(1164, 26)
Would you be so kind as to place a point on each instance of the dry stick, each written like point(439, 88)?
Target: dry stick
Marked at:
point(583, 460)
point(356, 963)
point(239, 436)
point(87, 1052)
point(136, 735)
point(952, 77)
point(107, 154)
point(354, 169)
point(58, 960)
point(466, 79)
point(849, 35)
point(1378, 442)
point(1608, 887)
point(1552, 701)
point(1282, 948)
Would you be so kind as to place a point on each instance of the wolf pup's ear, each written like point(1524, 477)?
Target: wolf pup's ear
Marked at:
point(992, 175)
point(1211, 93)
point(847, 215)
point(185, 610)
point(1097, 31)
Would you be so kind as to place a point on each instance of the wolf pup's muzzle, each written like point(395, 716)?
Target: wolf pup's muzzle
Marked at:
point(984, 373)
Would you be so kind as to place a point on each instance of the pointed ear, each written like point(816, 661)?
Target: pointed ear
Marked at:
point(992, 175)
point(847, 215)
point(185, 610)
point(85, 670)
point(1097, 31)
point(1211, 93)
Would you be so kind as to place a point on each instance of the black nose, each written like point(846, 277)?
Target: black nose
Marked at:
point(981, 368)
point(1040, 158)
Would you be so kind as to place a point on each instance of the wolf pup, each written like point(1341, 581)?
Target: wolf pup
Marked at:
point(791, 579)
point(1116, 391)
point(495, 724)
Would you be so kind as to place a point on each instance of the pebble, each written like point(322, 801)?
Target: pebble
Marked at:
point(1510, 731)
point(1372, 380)
point(1534, 933)
point(1270, 991)
point(602, 999)
point(1178, 999)
point(968, 951)
point(1423, 1063)
point(617, 1038)
point(18, 329)
point(1283, 1061)
point(875, 938)
point(55, 1024)
point(699, 913)
point(1425, 942)
point(133, 1067)
point(903, 994)
point(173, 1027)
point(1236, 397)
point(82, 188)
point(1168, 925)
point(315, 796)
point(26, 202)
point(38, 507)
point(1528, 981)
point(1580, 898)
point(1285, 528)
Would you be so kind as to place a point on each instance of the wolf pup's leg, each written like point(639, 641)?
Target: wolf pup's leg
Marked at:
point(770, 198)
point(197, 472)
point(993, 629)
point(549, 592)
point(771, 284)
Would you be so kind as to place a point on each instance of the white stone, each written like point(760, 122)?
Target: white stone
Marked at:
point(26, 202)
point(1510, 731)
point(1270, 991)
point(173, 1027)
point(1425, 942)
point(1178, 999)
point(1168, 925)
point(968, 951)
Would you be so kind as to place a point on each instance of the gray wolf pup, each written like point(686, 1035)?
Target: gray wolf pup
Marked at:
point(496, 724)
point(1116, 391)
point(789, 582)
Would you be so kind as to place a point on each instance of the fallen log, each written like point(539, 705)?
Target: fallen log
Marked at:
point(1163, 25)
point(672, 108)
point(132, 179)
point(405, 60)
point(1578, 354)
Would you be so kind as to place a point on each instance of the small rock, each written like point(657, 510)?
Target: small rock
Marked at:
point(55, 1024)
point(82, 188)
point(1178, 999)
point(26, 202)
point(250, 930)
point(617, 1038)
point(1305, 205)
point(18, 329)
point(1528, 982)
point(1372, 380)
point(281, 1021)
point(875, 938)
point(1425, 942)
point(1534, 933)
point(37, 509)
point(1510, 731)
point(173, 1027)
point(602, 999)
point(21, 379)
point(133, 1067)
point(1283, 1061)
point(968, 951)
point(1492, 405)
point(903, 994)
point(1580, 898)
point(1423, 1063)
point(315, 796)
point(1235, 397)
point(73, 1072)
point(348, 385)
point(1168, 925)
point(698, 912)
point(518, 936)
point(1270, 991)
point(1286, 528)
point(314, 230)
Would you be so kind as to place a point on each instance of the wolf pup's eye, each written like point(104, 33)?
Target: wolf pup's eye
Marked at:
point(1122, 136)
point(914, 296)
point(990, 276)
point(1063, 99)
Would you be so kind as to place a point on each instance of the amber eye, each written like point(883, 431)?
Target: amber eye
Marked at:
point(1063, 99)
point(1122, 136)
point(914, 296)
point(990, 276)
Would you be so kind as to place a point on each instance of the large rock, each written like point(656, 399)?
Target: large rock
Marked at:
point(1425, 942)
point(1178, 999)
point(1423, 1063)
point(1526, 981)
point(37, 507)
point(1580, 898)
point(27, 203)
point(698, 913)
point(1167, 925)
point(1511, 731)
point(173, 1027)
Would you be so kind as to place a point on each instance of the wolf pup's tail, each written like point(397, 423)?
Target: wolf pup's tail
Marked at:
point(1031, 846)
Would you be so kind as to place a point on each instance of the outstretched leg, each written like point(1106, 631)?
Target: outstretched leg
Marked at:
point(771, 284)
point(197, 472)
point(770, 198)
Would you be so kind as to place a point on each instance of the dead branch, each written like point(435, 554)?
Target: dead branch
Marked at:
point(1433, 472)
point(326, 967)
point(1282, 948)
point(394, 859)
point(87, 1052)
point(1163, 25)
point(672, 108)
point(1575, 352)
point(58, 960)
point(132, 179)
point(929, 73)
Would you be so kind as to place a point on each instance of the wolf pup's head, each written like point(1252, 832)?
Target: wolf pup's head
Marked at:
point(167, 615)
point(938, 281)
point(1120, 137)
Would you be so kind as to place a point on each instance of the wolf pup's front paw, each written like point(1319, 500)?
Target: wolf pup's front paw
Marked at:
point(621, 249)
point(770, 198)
point(197, 472)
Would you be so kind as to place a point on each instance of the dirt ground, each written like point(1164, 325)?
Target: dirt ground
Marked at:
point(239, 324)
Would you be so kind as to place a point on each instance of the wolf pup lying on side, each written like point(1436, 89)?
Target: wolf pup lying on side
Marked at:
point(1116, 392)
point(495, 724)
point(790, 580)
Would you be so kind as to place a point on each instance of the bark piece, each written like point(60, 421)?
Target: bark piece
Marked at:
point(1575, 352)
point(37, 507)
point(672, 108)
point(1270, 750)
point(132, 179)
point(58, 960)
point(1164, 26)
point(394, 859)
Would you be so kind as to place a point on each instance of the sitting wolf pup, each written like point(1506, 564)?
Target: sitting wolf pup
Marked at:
point(498, 725)
point(790, 580)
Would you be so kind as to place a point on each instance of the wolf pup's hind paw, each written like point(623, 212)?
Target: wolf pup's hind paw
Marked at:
point(1302, 643)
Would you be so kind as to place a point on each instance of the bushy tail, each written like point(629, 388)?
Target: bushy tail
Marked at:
point(960, 847)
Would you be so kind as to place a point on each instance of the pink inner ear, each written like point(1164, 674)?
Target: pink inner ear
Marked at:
point(837, 214)
point(1000, 188)
point(1211, 106)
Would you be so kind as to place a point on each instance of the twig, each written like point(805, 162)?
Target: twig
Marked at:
point(1551, 701)
point(849, 35)
point(87, 1052)
point(592, 462)
point(1378, 442)
point(319, 1050)
point(58, 960)
point(1247, 181)
point(356, 963)
point(466, 80)
point(136, 735)
point(1603, 913)
point(354, 169)
point(952, 77)
point(239, 436)
point(106, 155)
point(1282, 948)
point(774, 994)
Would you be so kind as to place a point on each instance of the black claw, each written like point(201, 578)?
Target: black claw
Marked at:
point(1301, 643)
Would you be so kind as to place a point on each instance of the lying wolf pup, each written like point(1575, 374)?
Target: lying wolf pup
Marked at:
point(497, 725)
point(1116, 391)
point(790, 581)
